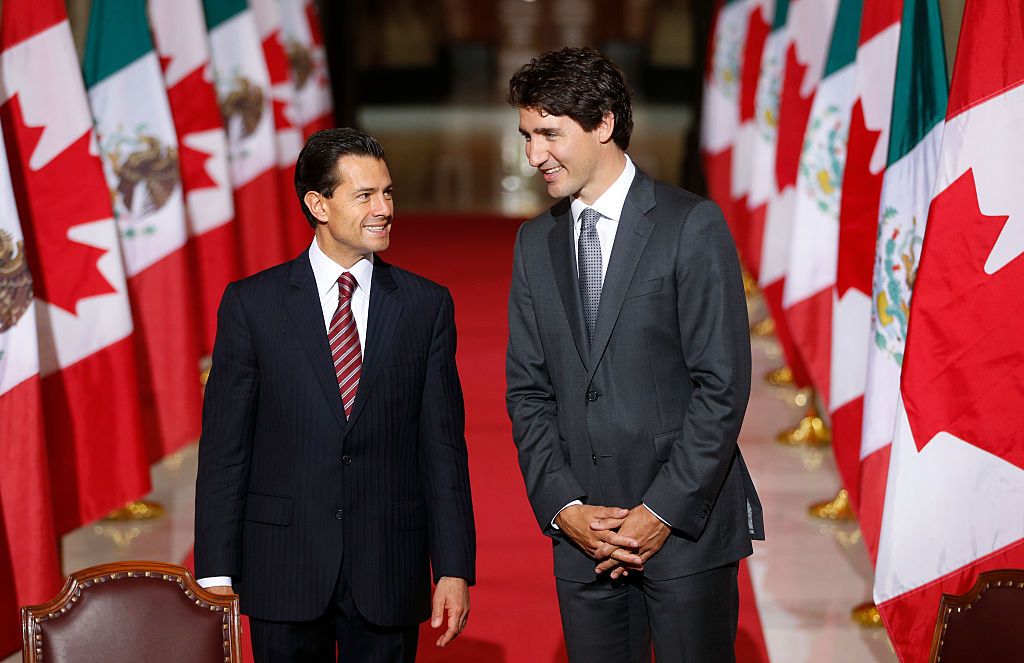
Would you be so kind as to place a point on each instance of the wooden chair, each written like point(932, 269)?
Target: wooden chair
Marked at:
point(132, 611)
point(984, 624)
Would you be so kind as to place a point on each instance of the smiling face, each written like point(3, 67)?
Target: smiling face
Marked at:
point(355, 220)
point(573, 162)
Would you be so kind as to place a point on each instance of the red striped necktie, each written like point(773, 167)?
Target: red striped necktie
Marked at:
point(344, 339)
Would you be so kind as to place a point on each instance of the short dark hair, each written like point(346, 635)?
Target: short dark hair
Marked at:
point(317, 166)
point(578, 83)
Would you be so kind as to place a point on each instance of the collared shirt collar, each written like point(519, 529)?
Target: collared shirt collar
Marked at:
point(610, 203)
point(326, 271)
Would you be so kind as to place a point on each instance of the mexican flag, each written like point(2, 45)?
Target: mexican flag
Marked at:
point(759, 24)
point(918, 107)
point(298, 234)
point(955, 490)
point(139, 150)
point(720, 113)
point(304, 43)
point(764, 138)
point(179, 35)
point(858, 226)
point(29, 567)
point(808, 28)
point(93, 431)
point(814, 238)
point(245, 96)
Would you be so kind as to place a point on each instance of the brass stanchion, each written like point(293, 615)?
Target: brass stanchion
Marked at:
point(137, 510)
point(837, 508)
point(866, 614)
point(764, 328)
point(780, 377)
point(749, 285)
point(810, 432)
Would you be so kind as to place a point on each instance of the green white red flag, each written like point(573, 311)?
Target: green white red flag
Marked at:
point(858, 226)
point(919, 104)
point(179, 35)
point(720, 114)
point(806, 29)
point(139, 150)
point(304, 43)
point(955, 490)
point(93, 432)
point(814, 238)
point(245, 96)
point(29, 566)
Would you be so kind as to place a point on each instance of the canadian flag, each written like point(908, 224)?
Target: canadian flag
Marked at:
point(139, 150)
point(759, 23)
point(89, 383)
point(245, 94)
point(297, 232)
point(720, 116)
point(179, 35)
point(304, 43)
point(918, 106)
point(29, 567)
point(955, 490)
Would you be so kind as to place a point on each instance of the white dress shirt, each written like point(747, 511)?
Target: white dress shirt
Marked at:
point(326, 273)
point(609, 205)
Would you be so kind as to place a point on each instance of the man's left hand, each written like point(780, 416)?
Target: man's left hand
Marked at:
point(641, 525)
point(451, 594)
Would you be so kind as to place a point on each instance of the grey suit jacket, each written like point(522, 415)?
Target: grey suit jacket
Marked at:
point(651, 410)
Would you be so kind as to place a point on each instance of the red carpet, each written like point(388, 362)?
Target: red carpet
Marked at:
point(514, 615)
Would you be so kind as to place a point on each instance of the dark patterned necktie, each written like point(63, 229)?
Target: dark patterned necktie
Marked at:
point(588, 259)
point(344, 339)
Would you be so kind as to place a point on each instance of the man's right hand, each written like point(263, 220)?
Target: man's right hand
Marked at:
point(575, 522)
point(221, 590)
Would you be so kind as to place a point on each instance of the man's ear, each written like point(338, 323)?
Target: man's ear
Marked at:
point(606, 127)
point(315, 202)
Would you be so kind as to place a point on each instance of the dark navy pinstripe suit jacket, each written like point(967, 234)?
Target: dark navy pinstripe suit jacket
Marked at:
point(289, 492)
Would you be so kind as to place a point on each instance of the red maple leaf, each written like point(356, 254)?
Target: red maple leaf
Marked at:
point(858, 210)
point(193, 103)
point(68, 191)
point(757, 33)
point(963, 372)
point(794, 111)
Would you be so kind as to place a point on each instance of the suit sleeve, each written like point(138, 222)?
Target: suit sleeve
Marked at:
point(530, 398)
point(452, 532)
point(715, 340)
point(225, 447)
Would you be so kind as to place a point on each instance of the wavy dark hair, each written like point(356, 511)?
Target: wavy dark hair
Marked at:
point(578, 83)
point(317, 166)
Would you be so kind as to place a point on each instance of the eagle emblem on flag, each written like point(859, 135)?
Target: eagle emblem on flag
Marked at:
point(15, 281)
point(895, 273)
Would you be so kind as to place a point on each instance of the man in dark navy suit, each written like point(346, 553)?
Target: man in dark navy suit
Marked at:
point(333, 478)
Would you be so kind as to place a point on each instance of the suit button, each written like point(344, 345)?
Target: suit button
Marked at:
point(338, 514)
point(347, 460)
point(593, 396)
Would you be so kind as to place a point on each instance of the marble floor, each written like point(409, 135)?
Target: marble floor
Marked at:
point(807, 575)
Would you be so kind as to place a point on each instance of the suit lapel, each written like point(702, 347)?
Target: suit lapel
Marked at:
point(630, 240)
point(306, 314)
point(385, 311)
point(560, 246)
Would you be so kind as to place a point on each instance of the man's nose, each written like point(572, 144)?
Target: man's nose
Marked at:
point(535, 154)
point(381, 206)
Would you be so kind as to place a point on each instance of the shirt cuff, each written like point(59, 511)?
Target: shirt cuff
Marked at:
point(214, 581)
point(657, 516)
point(574, 502)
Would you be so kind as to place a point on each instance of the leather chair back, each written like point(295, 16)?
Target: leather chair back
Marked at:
point(985, 624)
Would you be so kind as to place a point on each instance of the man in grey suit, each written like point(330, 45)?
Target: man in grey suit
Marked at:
point(628, 374)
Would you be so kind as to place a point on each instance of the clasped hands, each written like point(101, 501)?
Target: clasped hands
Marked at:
point(621, 540)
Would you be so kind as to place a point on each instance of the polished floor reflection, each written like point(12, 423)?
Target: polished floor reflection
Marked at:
point(807, 575)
